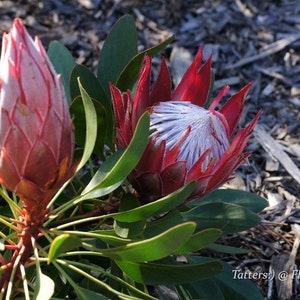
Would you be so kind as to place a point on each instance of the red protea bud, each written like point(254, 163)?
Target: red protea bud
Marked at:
point(187, 142)
point(36, 130)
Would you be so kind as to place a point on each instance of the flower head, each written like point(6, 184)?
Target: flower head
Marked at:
point(188, 142)
point(36, 131)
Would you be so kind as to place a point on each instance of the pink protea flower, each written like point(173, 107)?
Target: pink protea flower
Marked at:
point(36, 130)
point(187, 142)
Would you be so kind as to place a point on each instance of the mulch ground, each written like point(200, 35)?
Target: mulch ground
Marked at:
point(251, 40)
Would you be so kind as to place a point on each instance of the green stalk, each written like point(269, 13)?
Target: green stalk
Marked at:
point(13, 273)
point(25, 283)
point(99, 282)
point(108, 274)
point(15, 208)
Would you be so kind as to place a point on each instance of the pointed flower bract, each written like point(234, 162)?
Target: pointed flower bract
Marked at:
point(187, 142)
point(36, 130)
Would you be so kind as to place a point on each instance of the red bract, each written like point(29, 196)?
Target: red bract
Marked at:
point(187, 142)
point(36, 131)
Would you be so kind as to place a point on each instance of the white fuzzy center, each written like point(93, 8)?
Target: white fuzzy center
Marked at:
point(169, 120)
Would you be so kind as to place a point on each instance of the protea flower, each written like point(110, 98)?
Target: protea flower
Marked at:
point(188, 142)
point(36, 131)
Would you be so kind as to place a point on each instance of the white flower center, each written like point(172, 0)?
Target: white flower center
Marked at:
point(169, 120)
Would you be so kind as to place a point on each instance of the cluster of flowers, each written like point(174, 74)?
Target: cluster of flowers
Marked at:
point(187, 142)
point(192, 138)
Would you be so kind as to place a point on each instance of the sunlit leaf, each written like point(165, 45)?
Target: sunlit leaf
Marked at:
point(119, 48)
point(154, 248)
point(118, 166)
point(78, 112)
point(62, 244)
point(44, 286)
point(200, 240)
point(156, 207)
point(2, 245)
point(91, 126)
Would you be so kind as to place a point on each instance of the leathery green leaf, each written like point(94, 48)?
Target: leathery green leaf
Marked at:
point(155, 273)
point(44, 286)
point(227, 283)
point(154, 248)
point(200, 240)
point(93, 87)
point(230, 218)
point(159, 206)
point(128, 229)
point(120, 46)
point(91, 126)
point(61, 244)
point(242, 198)
point(117, 167)
point(77, 110)
point(63, 63)
point(228, 249)
point(129, 74)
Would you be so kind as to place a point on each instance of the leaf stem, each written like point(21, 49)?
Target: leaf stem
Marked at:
point(15, 208)
point(98, 269)
point(71, 266)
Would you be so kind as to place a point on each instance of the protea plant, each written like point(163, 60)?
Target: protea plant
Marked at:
point(36, 131)
point(36, 139)
point(190, 139)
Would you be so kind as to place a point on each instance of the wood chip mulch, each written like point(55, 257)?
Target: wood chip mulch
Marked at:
point(251, 40)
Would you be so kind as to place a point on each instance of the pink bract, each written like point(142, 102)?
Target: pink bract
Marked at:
point(36, 130)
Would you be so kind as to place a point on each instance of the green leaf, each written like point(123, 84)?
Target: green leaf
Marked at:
point(157, 226)
point(84, 294)
point(119, 48)
point(117, 167)
point(128, 229)
point(61, 244)
point(229, 217)
point(107, 236)
point(129, 75)
point(205, 289)
point(79, 121)
point(63, 63)
point(91, 126)
point(200, 240)
point(242, 198)
point(234, 288)
point(226, 283)
point(159, 206)
point(44, 286)
point(94, 89)
point(154, 248)
point(169, 274)
point(228, 249)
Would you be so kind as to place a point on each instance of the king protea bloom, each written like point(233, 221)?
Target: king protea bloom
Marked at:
point(36, 130)
point(188, 141)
